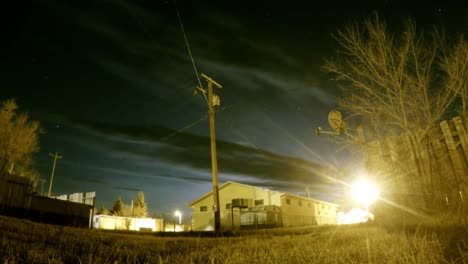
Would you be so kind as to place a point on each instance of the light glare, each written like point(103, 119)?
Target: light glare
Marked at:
point(365, 192)
point(354, 216)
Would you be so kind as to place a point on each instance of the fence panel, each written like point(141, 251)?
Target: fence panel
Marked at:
point(433, 167)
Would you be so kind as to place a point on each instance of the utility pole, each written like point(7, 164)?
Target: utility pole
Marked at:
point(55, 156)
point(213, 103)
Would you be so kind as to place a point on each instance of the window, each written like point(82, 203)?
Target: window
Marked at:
point(323, 207)
point(308, 205)
point(258, 202)
point(228, 206)
point(300, 203)
point(203, 208)
point(288, 201)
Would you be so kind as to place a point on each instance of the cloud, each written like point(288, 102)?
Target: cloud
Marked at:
point(123, 188)
point(146, 154)
point(193, 151)
point(159, 146)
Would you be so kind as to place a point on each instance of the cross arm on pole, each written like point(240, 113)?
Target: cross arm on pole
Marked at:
point(208, 79)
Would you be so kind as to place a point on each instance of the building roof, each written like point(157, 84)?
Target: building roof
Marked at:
point(224, 185)
point(307, 199)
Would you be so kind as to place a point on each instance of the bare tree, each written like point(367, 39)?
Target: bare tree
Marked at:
point(399, 86)
point(396, 81)
point(455, 66)
point(19, 139)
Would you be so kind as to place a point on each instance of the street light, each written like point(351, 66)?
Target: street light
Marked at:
point(364, 192)
point(178, 214)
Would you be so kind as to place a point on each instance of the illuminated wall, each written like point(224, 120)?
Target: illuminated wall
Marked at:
point(127, 223)
point(308, 213)
point(298, 211)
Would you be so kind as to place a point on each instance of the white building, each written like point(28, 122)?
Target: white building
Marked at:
point(127, 223)
point(243, 205)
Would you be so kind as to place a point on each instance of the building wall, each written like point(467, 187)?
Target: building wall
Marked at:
point(325, 213)
point(204, 220)
point(127, 223)
point(299, 211)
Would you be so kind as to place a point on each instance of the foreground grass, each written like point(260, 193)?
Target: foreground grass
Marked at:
point(26, 242)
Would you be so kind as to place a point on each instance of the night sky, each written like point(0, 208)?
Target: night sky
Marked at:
point(112, 84)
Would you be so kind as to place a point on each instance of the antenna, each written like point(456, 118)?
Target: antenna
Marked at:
point(335, 120)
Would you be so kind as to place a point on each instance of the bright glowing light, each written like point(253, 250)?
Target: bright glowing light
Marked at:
point(365, 192)
point(354, 216)
point(209, 228)
point(174, 228)
point(178, 214)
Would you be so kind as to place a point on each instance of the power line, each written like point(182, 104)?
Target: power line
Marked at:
point(192, 124)
point(188, 48)
point(184, 128)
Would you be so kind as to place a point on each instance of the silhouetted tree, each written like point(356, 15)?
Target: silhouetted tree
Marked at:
point(140, 208)
point(19, 140)
point(118, 208)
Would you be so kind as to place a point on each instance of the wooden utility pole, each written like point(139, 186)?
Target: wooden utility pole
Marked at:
point(55, 156)
point(213, 102)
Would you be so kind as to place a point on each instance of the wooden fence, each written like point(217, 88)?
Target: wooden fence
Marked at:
point(424, 170)
point(17, 200)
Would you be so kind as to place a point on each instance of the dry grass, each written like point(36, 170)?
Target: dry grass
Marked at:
point(27, 242)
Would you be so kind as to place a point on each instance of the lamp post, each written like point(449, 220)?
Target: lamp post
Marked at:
point(178, 214)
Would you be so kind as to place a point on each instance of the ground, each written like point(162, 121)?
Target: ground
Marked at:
point(26, 242)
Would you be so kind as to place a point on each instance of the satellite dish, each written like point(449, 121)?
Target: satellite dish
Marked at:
point(335, 119)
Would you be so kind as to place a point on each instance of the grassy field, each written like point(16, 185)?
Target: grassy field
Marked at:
point(27, 242)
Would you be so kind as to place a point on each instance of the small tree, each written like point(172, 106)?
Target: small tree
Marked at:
point(19, 139)
point(102, 211)
point(140, 208)
point(118, 208)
